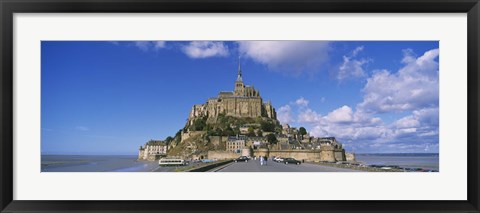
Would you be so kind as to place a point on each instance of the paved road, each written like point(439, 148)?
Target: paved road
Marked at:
point(165, 169)
point(254, 166)
point(172, 168)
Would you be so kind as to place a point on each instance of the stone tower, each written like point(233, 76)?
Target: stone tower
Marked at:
point(239, 85)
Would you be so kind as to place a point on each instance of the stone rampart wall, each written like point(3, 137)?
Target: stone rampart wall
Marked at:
point(350, 157)
point(297, 154)
point(340, 155)
point(222, 155)
point(325, 154)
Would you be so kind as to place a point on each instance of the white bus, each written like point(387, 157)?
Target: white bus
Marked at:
point(172, 162)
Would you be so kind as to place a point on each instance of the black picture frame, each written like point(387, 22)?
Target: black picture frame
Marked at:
point(9, 7)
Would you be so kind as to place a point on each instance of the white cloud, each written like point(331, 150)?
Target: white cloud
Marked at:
point(341, 115)
point(427, 115)
point(142, 45)
point(309, 116)
point(414, 86)
point(362, 131)
point(408, 56)
point(356, 51)
point(344, 123)
point(159, 44)
point(422, 122)
point(423, 66)
point(293, 57)
point(352, 67)
point(284, 114)
point(415, 129)
point(407, 122)
point(412, 90)
point(205, 49)
point(149, 45)
point(302, 102)
point(357, 132)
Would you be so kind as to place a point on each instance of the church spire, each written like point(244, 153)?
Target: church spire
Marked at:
point(239, 75)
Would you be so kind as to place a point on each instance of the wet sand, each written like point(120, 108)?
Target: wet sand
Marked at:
point(95, 163)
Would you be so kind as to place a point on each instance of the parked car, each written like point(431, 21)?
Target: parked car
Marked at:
point(291, 161)
point(278, 159)
point(241, 159)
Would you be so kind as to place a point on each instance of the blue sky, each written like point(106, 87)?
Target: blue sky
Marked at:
point(105, 97)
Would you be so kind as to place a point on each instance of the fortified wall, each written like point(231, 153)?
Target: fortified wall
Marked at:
point(220, 155)
point(324, 154)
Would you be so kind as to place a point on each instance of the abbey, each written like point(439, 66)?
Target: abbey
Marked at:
point(244, 101)
point(223, 128)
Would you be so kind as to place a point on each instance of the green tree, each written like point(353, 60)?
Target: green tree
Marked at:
point(236, 131)
point(272, 139)
point(251, 132)
point(228, 132)
point(302, 131)
point(217, 132)
point(259, 133)
point(199, 124)
point(267, 126)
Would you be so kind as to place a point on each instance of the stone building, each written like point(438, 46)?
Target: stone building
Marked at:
point(244, 129)
point(244, 101)
point(235, 143)
point(153, 150)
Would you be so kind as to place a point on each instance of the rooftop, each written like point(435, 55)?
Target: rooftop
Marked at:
point(156, 143)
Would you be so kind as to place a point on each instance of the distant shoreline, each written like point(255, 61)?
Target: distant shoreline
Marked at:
point(378, 168)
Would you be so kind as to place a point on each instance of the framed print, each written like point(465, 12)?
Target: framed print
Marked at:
point(159, 106)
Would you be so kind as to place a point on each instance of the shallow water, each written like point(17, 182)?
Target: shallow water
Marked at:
point(95, 163)
point(407, 160)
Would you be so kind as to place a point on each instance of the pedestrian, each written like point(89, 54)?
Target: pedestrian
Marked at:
point(261, 160)
point(266, 159)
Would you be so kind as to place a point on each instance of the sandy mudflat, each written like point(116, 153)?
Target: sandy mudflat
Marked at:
point(95, 163)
